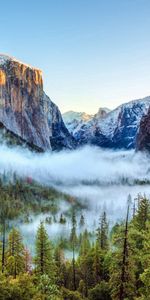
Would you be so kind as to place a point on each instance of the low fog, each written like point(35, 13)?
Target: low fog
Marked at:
point(87, 165)
point(101, 179)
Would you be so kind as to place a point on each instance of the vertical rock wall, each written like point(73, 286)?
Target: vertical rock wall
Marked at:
point(26, 111)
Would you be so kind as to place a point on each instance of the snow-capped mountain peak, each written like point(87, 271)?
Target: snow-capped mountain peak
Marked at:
point(117, 129)
point(75, 120)
point(4, 58)
point(71, 115)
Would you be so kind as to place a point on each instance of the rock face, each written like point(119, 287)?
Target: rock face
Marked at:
point(26, 111)
point(74, 120)
point(117, 129)
point(102, 112)
point(143, 137)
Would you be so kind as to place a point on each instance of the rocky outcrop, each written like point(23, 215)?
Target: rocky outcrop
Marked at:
point(143, 137)
point(102, 113)
point(75, 120)
point(116, 129)
point(27, 111)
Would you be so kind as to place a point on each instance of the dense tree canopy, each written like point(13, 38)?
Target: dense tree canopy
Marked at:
point(110, 263)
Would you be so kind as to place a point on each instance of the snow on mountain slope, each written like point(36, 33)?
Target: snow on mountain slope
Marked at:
point(118, 129)
point(4, 58)
point(75, 120)
point(102, 112)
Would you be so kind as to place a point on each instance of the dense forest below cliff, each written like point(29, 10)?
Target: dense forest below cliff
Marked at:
point(107, 263)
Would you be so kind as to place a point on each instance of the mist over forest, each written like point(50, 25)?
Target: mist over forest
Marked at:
point(100, 179)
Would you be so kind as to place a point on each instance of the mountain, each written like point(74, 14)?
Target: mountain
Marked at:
point(26, 111)
point(143, 137)
point(102, 112)
point(27, 115)
point(117, 129)
point(75, 120)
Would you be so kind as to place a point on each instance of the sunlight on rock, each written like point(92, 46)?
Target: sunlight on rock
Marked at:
point(2, 77)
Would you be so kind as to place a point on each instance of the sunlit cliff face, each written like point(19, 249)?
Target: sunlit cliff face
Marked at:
point(2, 78)
point(26, 111)
point(17, 81)
point(21, 93)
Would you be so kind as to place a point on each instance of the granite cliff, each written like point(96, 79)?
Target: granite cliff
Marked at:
point(143, 137)
point(115, 129)
point(26, 111)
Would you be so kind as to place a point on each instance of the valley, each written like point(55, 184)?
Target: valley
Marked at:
point(70, 186)
point(46, 193)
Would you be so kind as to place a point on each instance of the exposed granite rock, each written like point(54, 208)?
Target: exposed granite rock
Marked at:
point(26, 111)
point(143, 137)
point(116, 129)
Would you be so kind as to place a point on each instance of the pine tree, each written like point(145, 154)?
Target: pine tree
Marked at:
point(123, 265)
point(62, 219)
point(60, 265)
point(44, 262)
point(97, 264)
point(83, 261)
point(124, 259)
point(82, 221)
point(102, 232)
point(85, 243)
point(15, 260)
point(4, 215)
point(143, 213)
point(73, 240)
point(145, 261)
point(138, 234)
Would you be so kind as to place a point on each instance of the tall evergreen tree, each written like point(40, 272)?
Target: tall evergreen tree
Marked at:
point(143, 213)
point(73, 240)
point(145, 261)
point(124, 259)
point(138, 234)
point(82, 221)
point(97, 264)
point(83, 262)
point(123, 265)
point(102, 232)
point(44, 261)
point(15, 262)
point(4, 215)
point(60, 265)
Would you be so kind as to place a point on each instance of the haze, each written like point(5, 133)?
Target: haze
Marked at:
point(100, 179)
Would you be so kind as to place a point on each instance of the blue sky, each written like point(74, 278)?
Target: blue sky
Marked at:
point(93, 53)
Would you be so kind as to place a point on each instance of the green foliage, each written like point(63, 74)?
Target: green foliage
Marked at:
point(62, 219)
point(73, 235)
point(144, 270)
point(143, 213)
point(82, 221)
point(44, 262)
point(71, 295)
point(47, 288)
point(15, 259)
point(122, 267)
point(100, 266)
point(21, 288)
point(102, 233)
point(100, 292)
